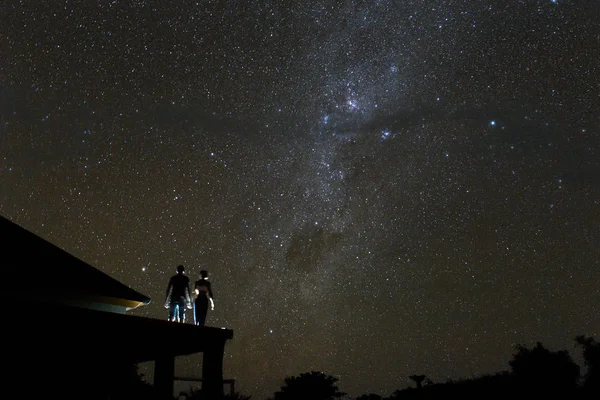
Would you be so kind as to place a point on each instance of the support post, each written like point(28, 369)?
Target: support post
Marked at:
point(164, 371)
point(212, 371)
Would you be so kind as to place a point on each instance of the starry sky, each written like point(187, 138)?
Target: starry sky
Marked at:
point(377, 188)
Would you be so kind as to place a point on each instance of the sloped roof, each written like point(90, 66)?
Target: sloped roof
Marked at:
point(33, 267)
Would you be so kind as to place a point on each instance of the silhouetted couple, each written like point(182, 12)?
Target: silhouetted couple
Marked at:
point(178, 297)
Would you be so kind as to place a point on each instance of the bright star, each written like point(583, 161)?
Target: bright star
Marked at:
point(352, 103)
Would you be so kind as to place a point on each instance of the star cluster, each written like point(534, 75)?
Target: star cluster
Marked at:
point(376, 188)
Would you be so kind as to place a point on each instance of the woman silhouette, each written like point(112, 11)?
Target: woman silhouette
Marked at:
point(203, 293)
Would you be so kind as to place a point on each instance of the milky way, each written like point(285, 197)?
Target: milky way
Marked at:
point(377, 189)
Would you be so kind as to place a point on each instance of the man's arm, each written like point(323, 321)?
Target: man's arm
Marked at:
point(169, 287)
point(188, 299)
point(168, 294)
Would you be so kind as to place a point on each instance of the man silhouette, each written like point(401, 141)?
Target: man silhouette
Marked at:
point(178, 296)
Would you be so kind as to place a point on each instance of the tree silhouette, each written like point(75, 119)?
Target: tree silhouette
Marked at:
point(418, 379)
point(543, 371)
point(311, 385)
point(591, 356)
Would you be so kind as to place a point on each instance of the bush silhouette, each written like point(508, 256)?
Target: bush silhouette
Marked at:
point(543, 371)
point(591, 357)
point(311, 385)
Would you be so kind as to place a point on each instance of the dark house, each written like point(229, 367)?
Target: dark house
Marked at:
point(67, 334)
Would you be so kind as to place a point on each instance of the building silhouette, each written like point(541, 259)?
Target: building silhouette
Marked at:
point(67, 333)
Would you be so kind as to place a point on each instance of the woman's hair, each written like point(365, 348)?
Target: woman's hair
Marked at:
point(204, 274)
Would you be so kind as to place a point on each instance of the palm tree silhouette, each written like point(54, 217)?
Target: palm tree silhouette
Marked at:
point(418, 380)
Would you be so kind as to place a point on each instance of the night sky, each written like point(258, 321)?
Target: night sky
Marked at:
point(377, 188)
